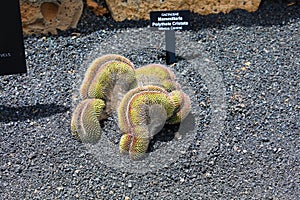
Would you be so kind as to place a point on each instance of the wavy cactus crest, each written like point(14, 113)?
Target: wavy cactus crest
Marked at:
point(156, 74)
point(145, 114)
point(85, 124)
point(124, 122)
point(103, 74)
point(145, 100)
point(142, 114)
point(182, 105)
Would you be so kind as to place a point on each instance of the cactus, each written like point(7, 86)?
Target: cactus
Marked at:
point(142, 114)
point(156, 74)
point(136, 116)
point(182, 104)
point(85, 124)
point(145, 99)
point(103, 73)
point(123, 107)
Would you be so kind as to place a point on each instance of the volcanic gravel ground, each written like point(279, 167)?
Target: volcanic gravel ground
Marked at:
point(254, 154)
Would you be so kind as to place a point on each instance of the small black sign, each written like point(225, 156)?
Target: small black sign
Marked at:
point(170, 20)
point(12, 53)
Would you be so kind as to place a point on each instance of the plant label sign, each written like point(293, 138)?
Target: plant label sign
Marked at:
point(12, 53)
point(170, 20)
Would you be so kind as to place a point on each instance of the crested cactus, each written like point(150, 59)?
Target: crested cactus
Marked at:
point(96, 66)
point(136, 116)
point(145, 99)
point(105, 79)
point(124, 124)
point(143, 110)
point(85, 124)
point(182, 104)
point(156, 74)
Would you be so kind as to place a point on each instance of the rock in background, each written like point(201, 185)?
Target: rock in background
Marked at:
point(48, 16)
point(96, 8)
point(136, 9)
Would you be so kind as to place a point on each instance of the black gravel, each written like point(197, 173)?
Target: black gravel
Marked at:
point(241, 141)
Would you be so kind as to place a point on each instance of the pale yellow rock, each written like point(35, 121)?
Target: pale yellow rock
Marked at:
point(98, 10)
point(48, 16)
point(136, 9)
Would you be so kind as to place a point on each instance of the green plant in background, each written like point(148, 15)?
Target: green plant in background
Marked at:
point(145, 99)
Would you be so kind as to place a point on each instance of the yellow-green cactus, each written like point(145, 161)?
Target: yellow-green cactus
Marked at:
point(85, 124)
point(123, 107)
point(104, 73)
point(156, 74)
point(138, 147)
point(183, 106)
point(125, 143)
point(145, 99)
point(143, 106)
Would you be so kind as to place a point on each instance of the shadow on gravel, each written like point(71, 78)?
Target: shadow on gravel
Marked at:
point(270, 12)
point(9, 114)
point(170, 132)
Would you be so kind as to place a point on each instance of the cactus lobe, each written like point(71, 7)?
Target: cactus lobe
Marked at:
point(85, 124)
point(156, 74)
